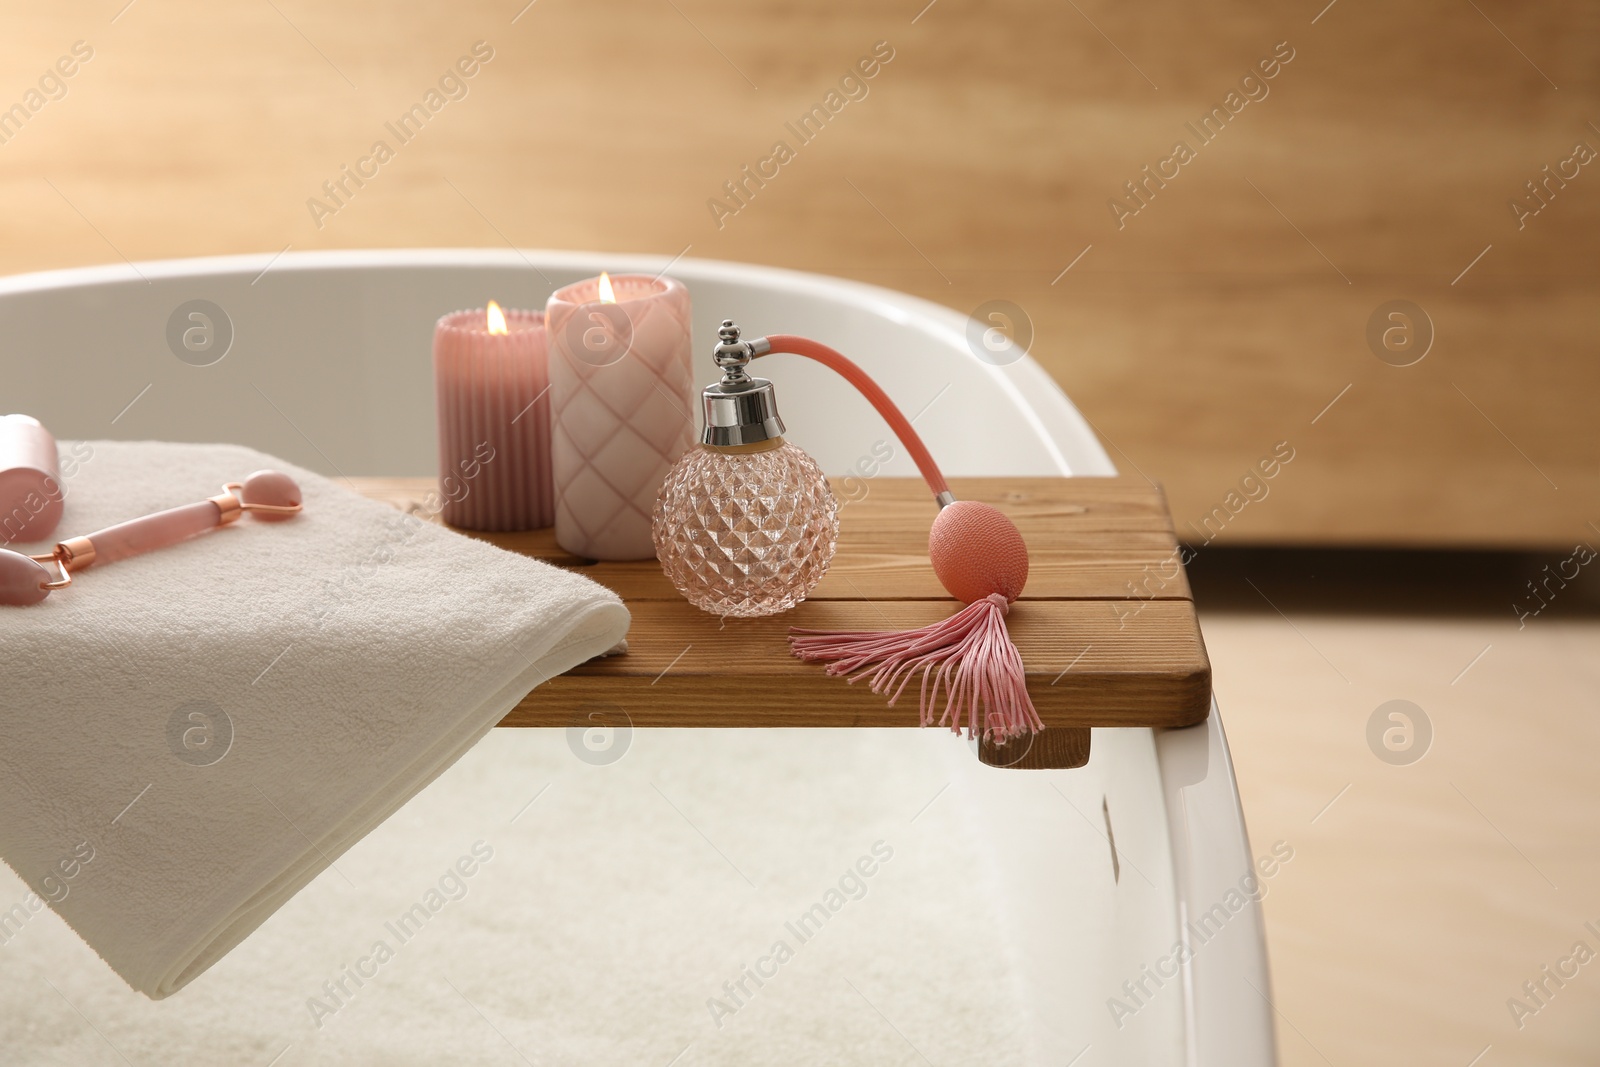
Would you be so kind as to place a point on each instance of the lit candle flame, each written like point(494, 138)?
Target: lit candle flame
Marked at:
point(607, 296)
point(497, 319)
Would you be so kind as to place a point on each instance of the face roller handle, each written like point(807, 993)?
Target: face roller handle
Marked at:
point(270, 495)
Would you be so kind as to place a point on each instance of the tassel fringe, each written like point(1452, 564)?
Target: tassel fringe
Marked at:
point(969, 655)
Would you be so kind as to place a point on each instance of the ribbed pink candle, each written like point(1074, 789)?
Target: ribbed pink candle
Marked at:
point(494, 421)
point(622, 392)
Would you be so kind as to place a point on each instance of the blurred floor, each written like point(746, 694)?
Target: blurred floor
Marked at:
point(1422, 895)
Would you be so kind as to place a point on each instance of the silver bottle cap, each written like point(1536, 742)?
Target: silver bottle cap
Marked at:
point(739, 410)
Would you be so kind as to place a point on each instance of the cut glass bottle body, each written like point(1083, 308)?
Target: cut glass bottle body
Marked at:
point(745, 533)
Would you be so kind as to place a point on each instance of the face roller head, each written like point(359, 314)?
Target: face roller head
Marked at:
point(271, 495)
point(22, 580)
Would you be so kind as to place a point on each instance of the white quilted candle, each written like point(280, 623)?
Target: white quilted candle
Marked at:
point(622, 401)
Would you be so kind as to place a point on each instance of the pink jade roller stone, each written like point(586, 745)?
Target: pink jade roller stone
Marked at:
point(22, 579)
point(274, 489)
point(30, 480)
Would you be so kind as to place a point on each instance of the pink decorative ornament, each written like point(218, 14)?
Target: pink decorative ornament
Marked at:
point(271, 496)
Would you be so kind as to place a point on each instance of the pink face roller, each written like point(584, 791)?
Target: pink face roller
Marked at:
point(271, 495)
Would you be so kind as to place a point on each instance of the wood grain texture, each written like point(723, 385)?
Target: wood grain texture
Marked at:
point(1086, 667)
point(1059, 749)
point(1097, 652)
point(1221, 319)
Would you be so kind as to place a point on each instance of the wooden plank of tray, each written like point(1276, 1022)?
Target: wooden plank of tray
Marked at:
point(1106, 626)
point(1088, 539)
point(1086, 667)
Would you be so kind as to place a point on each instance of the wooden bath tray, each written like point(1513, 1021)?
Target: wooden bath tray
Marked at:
point(1106, 625)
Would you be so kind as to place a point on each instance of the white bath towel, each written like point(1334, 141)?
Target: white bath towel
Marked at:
point(188, 737)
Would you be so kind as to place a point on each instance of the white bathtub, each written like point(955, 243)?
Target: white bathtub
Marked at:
point(328, 366)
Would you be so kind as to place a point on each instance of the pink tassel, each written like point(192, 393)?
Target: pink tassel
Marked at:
point(970, 655)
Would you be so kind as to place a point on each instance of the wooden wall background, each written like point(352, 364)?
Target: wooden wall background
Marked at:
point(1223, 318)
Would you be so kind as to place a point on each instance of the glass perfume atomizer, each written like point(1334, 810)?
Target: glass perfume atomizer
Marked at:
point(746, 525)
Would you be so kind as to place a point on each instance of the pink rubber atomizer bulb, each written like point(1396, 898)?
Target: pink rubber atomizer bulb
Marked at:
point(703, 534)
